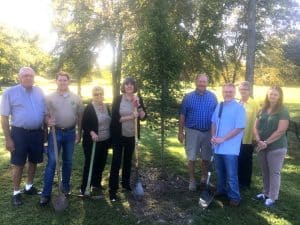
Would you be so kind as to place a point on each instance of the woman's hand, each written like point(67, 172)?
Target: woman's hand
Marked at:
point(94, 136)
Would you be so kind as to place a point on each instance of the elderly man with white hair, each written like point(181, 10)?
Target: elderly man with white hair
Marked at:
point(23, 132)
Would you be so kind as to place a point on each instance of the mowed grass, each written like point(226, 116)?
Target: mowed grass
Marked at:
point(85, 211)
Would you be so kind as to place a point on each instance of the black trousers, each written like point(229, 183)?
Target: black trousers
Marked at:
point(245, 164)
point(124, 148)
point(99, 163)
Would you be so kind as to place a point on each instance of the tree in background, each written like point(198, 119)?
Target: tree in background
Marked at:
point(159, 55)
point(18, 49)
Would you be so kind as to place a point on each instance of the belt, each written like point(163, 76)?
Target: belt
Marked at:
point(65, 129)
point(202, 130)
point(26, 129)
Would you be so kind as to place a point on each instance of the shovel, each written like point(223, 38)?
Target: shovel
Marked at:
point(138, 191)
point(208, 194)
point(60, 202)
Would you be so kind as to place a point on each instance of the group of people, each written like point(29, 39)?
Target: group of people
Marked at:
point(222, 132)
point(29, 119)
point(229, 132)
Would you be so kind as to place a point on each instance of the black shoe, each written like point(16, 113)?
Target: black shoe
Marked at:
point(31, 191)
point(113, 197)
point(127, 187)
point(17, 200)
point(44, 200)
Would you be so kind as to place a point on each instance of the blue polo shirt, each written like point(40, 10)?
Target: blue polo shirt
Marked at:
point(233, 116)
point(198, 108)
point(27, 108)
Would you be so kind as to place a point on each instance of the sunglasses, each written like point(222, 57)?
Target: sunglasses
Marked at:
point(98, 94)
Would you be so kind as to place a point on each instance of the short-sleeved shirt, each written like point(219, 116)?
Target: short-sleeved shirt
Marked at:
point(126, 108)
point(251, 108)
point(268, 123)
point(233, 116)
point(104, 120)
point(65, 108)
point(198, 108)
point(26, 107)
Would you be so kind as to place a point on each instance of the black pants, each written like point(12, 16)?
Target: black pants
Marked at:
point(245, 165)
point(98, 166)
point(124, 148)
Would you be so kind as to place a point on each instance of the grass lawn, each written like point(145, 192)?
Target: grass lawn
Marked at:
point(167, 200)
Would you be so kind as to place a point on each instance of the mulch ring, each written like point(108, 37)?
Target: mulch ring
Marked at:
point(166, 198)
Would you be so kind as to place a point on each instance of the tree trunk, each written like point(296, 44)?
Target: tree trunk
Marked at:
point(251, 42)
point(117, 63)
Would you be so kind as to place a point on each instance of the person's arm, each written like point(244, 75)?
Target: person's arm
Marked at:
point(78, 122)
point(281, 130)
point(229, 135)
point(181, 128)
point(9, 144)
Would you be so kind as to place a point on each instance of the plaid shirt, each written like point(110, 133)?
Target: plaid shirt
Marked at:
point(198, 108)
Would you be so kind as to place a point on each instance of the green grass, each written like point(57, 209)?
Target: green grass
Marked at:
point(174, 205)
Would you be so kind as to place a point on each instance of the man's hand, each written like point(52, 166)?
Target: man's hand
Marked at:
point(9, 144)
point(94, 136)
point(180, 136)
point(77, 139)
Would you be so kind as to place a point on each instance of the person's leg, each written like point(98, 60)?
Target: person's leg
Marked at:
point(231, 166)
point(192, 145)
point(87, 148)
point(245, 165)
point(275, 160)
point(17, 176)
point(115, 167)
point(68, 143)
point(50, 167)
point(263, 163)
point(96, 167)
point(127, 159)
point(205, 154)
point(103, 151)
point(35, 156)
point(221, 174)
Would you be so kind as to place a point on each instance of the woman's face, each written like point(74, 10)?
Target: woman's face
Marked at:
point(273, 96)
point(98, 96)
point(129, 88)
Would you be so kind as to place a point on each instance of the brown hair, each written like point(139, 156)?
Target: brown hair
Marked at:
point(279, 104)
point(129, 80)
point(62, 73)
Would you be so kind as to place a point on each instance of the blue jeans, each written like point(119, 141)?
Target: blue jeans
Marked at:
point(65, 141)
point(227, 176)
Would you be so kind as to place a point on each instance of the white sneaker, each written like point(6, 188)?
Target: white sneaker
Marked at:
point(260, 196)
point(269, 202)
point(192, 185)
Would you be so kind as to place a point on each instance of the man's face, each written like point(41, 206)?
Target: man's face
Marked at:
point(62, 83)
point(27, 79)
point(244, 91)
point(228, 93)
point(201, 83)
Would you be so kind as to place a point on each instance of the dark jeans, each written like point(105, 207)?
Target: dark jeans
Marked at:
point(245, 165)
point(99, 163)
point(124, 148)
point(65, 143)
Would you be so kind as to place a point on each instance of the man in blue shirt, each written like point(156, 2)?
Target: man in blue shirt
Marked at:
point(227, 133)
point(195, 118)
point(24, 137)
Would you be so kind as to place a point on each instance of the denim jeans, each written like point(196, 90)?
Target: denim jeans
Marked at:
point(65, 141)
point(227, 176)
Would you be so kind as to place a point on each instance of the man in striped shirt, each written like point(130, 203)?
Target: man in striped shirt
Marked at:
point(195, 127)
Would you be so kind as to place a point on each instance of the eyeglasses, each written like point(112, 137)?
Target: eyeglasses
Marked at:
point(98, 94)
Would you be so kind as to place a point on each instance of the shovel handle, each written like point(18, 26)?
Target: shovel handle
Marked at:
point(88, 185)
point(56, 154)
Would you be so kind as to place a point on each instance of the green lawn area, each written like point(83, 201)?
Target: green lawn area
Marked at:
point(167, 200)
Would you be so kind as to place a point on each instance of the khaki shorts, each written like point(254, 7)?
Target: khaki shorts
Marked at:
point(197, 142)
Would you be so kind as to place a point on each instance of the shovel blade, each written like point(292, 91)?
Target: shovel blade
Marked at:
point(206, 198)
point(138, 191)
point(60, 203)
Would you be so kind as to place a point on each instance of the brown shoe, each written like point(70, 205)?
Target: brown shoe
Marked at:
point(234, 203)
